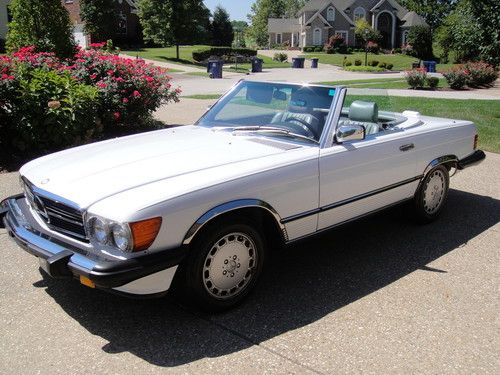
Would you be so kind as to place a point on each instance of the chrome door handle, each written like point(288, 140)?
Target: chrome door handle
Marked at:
point(407, 147)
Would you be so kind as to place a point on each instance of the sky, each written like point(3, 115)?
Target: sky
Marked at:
point(237, 9)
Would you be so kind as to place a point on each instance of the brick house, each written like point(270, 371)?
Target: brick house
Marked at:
point(128, 28)
point(320, 19)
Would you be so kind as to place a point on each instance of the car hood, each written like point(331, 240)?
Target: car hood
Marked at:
point(90, 173)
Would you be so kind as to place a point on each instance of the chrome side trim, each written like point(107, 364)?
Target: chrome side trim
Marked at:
point(343, 202)
point(228, 207)
point(438, 161)
point(347, 221)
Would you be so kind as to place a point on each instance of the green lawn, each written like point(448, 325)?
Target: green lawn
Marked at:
point(400, 62)
point(378, 83)
point(484, 113)
point(203, 96)
point(168, 54)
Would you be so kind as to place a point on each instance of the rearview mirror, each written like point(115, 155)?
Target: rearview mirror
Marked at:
point(350, 132)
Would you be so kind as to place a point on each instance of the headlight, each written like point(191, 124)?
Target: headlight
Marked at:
point(127, 237)
point(121, 236)
point(99, 230)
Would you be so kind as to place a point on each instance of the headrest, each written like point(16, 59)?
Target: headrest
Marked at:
point(363, 111)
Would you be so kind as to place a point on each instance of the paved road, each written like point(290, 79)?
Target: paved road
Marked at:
point(379, 296)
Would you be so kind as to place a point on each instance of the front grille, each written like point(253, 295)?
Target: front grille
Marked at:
point(58, 216)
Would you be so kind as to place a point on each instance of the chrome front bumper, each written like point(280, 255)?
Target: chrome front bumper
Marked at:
point(63, 260)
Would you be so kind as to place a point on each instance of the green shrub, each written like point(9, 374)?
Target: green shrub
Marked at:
point(2, 45)
point(416, 78)
point(383, 65)
point(357, 62)
point(205, 53)
point(280, 56)
point(433, 82)
point(348, 63)
point(397, 51)
point(308, 49)
point(480, 74)
point(389, 66)
point(457, 78)
point(373, 63)
point(48, 110)
point(318, 49)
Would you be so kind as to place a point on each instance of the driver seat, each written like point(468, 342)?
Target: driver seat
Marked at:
point(294, 112)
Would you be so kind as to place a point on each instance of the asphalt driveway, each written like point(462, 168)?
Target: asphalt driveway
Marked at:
point(382, 295)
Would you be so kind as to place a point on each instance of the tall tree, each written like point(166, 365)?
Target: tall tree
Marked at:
point(487, 14)
point(292, 7)
point(261, 11)
point(99, 17)
point(239, 28)
point(433, 11)
point(472, 31)
point(44, 24)
point(174, 22)
point(222, 29)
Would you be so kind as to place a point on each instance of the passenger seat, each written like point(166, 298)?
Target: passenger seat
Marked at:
point(363, 113)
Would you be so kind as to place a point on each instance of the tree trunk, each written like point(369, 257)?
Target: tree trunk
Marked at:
point(177, 51)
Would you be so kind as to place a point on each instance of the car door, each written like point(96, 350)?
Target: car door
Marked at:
point(359, 177)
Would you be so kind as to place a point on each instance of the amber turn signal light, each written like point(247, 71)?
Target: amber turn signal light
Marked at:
point(144, 232)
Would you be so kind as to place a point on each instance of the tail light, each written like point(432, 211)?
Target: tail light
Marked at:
point(476, 139)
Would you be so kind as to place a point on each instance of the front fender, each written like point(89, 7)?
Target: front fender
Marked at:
point(228, 207)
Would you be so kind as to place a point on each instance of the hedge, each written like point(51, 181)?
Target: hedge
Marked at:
point(205, 53)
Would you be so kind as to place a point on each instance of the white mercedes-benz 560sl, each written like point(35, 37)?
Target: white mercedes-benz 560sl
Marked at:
point(195, 208)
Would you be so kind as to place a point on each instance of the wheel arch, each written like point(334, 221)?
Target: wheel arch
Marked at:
point(449, 161)
point(256, 209)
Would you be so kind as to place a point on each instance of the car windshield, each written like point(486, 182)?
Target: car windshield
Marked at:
point(273, 109)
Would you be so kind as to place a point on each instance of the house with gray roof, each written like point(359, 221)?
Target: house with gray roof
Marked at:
point(318, 20)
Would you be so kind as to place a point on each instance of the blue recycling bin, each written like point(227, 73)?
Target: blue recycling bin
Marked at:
point(298, 62)
point(257, 65)
point(314, 63)
point(430, 66)
point(214, 68)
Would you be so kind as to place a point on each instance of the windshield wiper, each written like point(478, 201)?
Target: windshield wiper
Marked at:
point(272, 129)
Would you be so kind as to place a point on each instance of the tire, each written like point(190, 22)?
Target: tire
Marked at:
point(224, 265)
point(431, 195)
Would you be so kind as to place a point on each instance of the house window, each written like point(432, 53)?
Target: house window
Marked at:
point(279, 38)
point(404, 39)
point(359, 13)
point(343, 34)
point(317, 37)
point(330, 14)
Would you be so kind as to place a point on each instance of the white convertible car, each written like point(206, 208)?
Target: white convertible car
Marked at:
point(195, 208)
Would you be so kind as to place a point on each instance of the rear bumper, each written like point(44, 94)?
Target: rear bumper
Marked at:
point(473, 159)
point(63, 260)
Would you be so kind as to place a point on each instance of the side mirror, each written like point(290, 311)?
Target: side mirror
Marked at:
point(351, 132)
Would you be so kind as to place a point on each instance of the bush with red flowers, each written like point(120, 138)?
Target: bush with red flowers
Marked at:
point(416, 78)
point(47, 103)
point(473, 74)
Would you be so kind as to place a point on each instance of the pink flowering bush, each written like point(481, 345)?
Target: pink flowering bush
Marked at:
point(480, 74)
point(131, 90)
point(473, 74)
point(456, 77)
point(47, 103)
point(416, 78)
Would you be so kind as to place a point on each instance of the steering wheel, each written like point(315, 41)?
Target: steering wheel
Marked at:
point(302, 125)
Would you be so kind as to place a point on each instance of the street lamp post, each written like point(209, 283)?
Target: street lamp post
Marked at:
point(366, 33)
